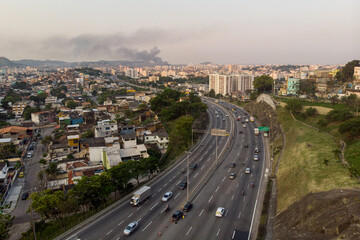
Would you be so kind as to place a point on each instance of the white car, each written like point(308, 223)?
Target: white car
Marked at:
point(244, 125)
point(256, 158)
point(131, 228)
point(246, 120)
point(220, 212)
point(167, 196)
point(247, 170)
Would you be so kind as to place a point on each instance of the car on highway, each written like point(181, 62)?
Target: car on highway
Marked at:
point(131, 228)
point(167, 196)
point(223, 119)
point(187, 207)
point(246, 120)
point(21, 174)
point(246, 146)
point(226, 115)
point(256, 150)
point(217, 116)
point(220, 212)
point(244, 125)
point(247, 170)
point(240, 132)
point(232, 176)
point(177, 215)
point(29, 155)
point(233, 165)
point(256, 158)
point(183, 185)
point(25, 195)
point(193, 166)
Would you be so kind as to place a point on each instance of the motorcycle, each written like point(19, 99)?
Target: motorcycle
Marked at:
point(243, 192)
point(252, 185)
point(167, 208)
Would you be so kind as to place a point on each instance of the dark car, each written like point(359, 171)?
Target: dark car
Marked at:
point(187, 207)
point(246, 146)
point(177, 215)
point(193, 166)
point(25, 195)
point(233, 165)
point(240, 132)
point(183, 185)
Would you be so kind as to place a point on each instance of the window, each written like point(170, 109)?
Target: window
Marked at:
point(76, 140)
point(107, 128)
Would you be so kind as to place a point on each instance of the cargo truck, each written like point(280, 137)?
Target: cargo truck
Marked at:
point(256, 131)
point(140, 195)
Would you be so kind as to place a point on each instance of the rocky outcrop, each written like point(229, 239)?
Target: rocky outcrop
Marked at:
point(264, 110)
point(334, 214)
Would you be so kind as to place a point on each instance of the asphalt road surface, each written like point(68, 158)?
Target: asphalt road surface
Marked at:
point(210, 188)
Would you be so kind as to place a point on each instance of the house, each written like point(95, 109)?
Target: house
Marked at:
point(106, 128)
point(131, 150)
point(18, 107)
point(42, 118)
point(74, 143)
point(16, 133)
point(292, 86)
point(160, 138)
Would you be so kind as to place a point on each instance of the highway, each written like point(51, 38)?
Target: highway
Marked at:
point(151, 215)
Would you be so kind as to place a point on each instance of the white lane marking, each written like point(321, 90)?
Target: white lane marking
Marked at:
point(138, 208)
point(217, 188)
point(109, 232)
point(154, 194)
point(233, 235)
point(208, 160)
point(165, 184)
point(201, 212)
point(253, 165)
point(251, 175)
point(139, 220)
point(189, 230)
point(154, 206)
point(223, 179)
point(196, 175)
point(130, 214)
point(202, 167)
point(244, 199)
point(120, 223)
point(176, 195)
point(226, 212)
point(239, 154)
point(232, 198)
point(159, 189)
point(210, 198)
point(146, 226)
point(178, 182)
point(239, 215)
point(237, 185)
point(229, 170)
point(118, 238)
point(218, 232)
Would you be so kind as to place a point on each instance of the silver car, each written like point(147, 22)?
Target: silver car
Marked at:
point(166, 196)
point(131, 228)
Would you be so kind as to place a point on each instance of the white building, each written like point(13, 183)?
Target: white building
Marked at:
point(133, 73)
point(226, 84)
point(106, 128)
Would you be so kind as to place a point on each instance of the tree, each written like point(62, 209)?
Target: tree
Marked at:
point(137, 169)
point(311, 112)
point(347, 72)
point(88, 134)
point(46, 140)
point(7, 150)
point(52, 170)
point(334, 99)
point(212, 93)
point(42, 96)
point(20, 85)
point(29, 110)
point(351, 128)
point(54, 205)
point(121, 175)
point(93, 191)
point(339, 115)
point(48, 106)
point(307, 87)
point(71, 104)
point(5, 224)
point(264, 83)
point(294, 105)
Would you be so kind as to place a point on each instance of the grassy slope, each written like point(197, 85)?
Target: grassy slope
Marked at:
point(302, 169)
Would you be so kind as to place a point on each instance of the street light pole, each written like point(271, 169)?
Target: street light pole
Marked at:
point(187, 178)
point(216, 147)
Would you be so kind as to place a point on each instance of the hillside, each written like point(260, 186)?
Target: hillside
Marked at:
point(4, 62)
point(334, 214)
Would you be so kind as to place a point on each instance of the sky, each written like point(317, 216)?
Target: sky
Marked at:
point(182, 32)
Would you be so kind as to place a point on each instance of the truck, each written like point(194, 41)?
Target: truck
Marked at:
point(252, 119)
point(256, 131)
point(140, 195)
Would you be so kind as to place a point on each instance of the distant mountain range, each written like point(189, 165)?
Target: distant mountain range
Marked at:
point(4, 62)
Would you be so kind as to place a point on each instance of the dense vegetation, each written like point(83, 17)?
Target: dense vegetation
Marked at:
point(347, 72)
point(89, 71)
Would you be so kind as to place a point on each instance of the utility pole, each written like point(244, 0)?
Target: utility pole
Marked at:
point(216, 147)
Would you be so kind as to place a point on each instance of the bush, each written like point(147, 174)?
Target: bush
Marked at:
point(45, 155)
point(42, 161)
point(351, 128)
point(311, 112)
point(322, 122)
point(294, 105)
point(339, 115)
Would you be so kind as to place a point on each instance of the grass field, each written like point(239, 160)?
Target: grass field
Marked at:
point(307, 164)
point(352, 154)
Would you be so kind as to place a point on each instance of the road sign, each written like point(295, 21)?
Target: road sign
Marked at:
point(219, 132)
point(264, 129)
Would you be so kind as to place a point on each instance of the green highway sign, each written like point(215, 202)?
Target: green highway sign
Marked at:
point(264, 129)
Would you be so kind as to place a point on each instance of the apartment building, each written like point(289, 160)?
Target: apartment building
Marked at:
point(106, 128)
point(18, 107)
point(225, 84)
point(133, 73)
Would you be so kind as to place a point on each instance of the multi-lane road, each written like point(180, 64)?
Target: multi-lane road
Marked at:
point(209, 185)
